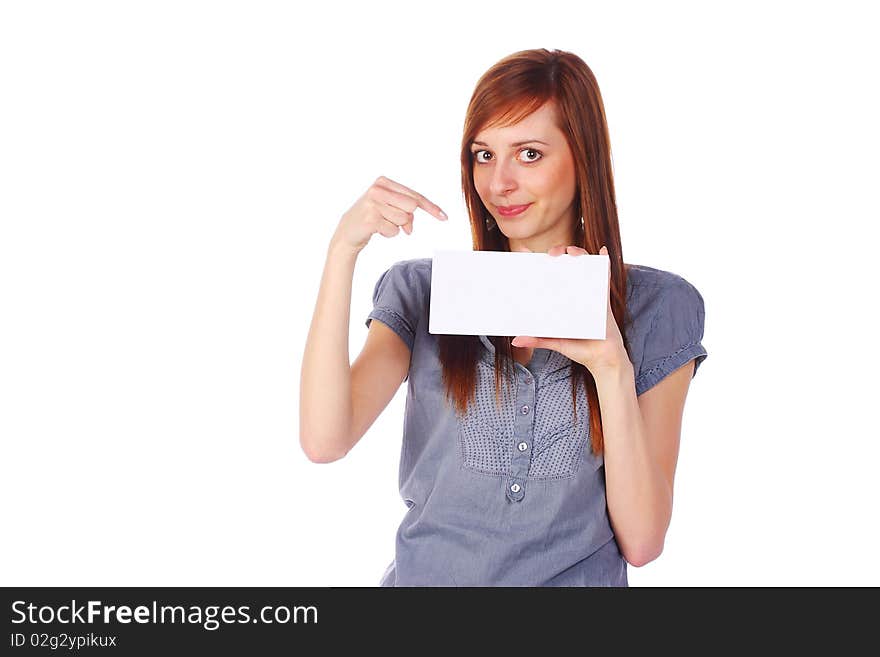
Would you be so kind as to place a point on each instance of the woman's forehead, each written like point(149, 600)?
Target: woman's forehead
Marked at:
point(539, 124)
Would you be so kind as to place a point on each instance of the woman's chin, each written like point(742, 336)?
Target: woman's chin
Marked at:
point(517, 232)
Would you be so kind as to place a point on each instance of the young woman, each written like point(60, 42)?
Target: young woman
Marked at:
point(526, 461)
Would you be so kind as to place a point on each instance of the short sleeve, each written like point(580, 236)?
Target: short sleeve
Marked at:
point(675, 336)
point(397, 300)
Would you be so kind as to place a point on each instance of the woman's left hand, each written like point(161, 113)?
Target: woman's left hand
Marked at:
point(598, 356)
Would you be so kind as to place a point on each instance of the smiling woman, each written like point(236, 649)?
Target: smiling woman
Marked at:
point(514, 178)
point(548, 462)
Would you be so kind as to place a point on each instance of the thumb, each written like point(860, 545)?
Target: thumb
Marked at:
point(539, 343)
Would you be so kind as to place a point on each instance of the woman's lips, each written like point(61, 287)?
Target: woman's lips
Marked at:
point(512, 210)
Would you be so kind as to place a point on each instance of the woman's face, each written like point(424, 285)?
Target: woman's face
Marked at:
point(528, 163)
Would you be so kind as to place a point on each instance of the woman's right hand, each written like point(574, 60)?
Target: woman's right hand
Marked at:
point(385, 208)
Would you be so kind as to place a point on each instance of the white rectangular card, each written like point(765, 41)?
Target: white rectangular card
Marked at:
point(517, 293)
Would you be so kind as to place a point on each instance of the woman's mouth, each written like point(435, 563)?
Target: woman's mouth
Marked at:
point(512, 210)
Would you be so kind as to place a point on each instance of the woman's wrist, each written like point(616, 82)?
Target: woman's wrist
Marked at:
point(338, 248)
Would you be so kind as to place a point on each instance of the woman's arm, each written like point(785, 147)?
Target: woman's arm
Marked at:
point(327, 426)
point(325, 380)
point(641, 440)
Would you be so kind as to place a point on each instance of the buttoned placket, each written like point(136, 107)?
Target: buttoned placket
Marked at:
point(523, 423)
point(523, 434)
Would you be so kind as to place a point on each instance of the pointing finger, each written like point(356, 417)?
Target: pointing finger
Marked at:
point(422, 202)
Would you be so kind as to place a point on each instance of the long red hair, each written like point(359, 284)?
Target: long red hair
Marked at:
point(508, 92)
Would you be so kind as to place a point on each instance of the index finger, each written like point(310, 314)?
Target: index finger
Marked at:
point(423, 203)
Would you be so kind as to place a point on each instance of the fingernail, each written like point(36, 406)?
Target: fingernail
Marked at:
point(443, 214)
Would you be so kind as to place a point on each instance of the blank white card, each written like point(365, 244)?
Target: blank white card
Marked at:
point(517, 293)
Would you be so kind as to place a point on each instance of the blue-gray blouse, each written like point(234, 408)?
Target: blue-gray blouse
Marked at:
point(513, 495)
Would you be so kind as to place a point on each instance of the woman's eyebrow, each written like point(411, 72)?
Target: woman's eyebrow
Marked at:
point(515, 144)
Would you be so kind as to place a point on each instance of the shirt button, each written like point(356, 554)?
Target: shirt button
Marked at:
point(523, 446)
point(528, 380)
point(525, 410)
point(515, 488)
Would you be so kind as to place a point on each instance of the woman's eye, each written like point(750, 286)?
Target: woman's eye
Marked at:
point(531, 158)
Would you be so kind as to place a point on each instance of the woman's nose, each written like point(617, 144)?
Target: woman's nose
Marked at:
point(503, 179)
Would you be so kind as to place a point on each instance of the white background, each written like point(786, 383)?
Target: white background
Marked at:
point(171, 173)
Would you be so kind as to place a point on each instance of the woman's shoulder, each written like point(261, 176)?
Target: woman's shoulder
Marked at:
point(418, 263)
point(644, 276)
point(406, 278)
point(666, 321)
point(649, 288)
point(414, 266)
point(414, 273)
